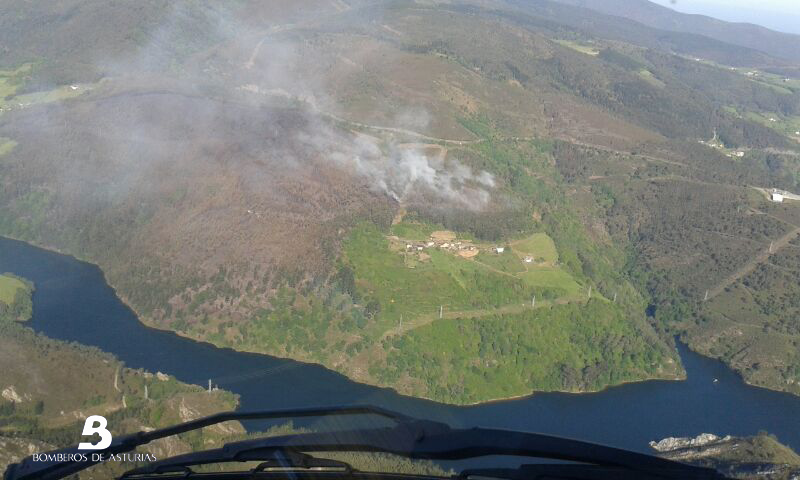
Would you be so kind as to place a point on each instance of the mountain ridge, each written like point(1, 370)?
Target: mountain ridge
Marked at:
point(775, 43)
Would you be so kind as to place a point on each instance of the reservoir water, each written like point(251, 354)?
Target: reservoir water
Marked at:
point(73, 302)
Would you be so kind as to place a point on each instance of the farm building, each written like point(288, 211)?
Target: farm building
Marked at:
point(499, 249)
point(776, 197)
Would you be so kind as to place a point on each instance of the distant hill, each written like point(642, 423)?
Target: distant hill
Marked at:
point(778, 44)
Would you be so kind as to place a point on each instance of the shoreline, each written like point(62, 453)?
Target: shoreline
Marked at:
point(144, 323)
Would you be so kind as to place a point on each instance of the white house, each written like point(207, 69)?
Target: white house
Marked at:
point(499, 249)
point(528, 259)
point(776, 197)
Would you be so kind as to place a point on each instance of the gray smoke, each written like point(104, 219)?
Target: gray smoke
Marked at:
point(258, 64)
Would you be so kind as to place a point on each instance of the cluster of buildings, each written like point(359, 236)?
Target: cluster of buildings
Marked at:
point(453, 246)
point(461, 248)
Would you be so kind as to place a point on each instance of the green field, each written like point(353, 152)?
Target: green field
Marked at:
point(9, 287)
point(11, 80)
point(411, 288)
point(552, 278)
point(382, 276)
point(15, 299)
point(505, 262)
point(580, 47)
point(47, 96)
point(539, 245)
point(648, 77)
point(784, 124)
point(413, 231)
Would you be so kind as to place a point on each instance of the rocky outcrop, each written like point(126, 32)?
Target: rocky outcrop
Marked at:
point(10, 393)
point(758, 457)
point(672, 443)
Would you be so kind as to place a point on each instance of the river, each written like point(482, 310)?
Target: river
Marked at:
point(73, 302)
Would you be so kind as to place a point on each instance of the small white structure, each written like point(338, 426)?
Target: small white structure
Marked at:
point(445, 245)
point(420, 248)
point(739, 154)
point(430, 244)
point(776, 197)
point(409, 246)
point(528, 259)
point(73, 87)
point(499, 249)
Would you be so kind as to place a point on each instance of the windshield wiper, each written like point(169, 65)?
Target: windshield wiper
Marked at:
point(410, 438)
point(28, 469)
point(272, 460)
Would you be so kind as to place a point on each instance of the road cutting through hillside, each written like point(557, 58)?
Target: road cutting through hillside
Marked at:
point(423, 320)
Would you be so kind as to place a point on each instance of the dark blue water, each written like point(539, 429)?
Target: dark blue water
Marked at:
point(73, 302)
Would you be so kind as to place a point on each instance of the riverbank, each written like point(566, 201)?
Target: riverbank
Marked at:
point(73, 303)
point(362, 375)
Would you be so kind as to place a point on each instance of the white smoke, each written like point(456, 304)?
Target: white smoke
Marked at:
point(255, 64)
point(404, 172)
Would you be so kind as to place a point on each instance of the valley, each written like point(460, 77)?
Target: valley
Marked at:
point(71, 296)
point(240, 187)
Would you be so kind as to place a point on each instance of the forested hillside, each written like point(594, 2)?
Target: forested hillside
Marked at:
point(49, 387)
point(350, 182)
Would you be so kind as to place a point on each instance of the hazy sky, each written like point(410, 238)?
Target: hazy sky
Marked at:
point(781, 15)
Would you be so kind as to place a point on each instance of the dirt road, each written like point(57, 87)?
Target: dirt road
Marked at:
point(754, 262)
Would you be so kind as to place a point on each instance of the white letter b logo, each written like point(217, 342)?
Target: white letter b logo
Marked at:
point(89, 429)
